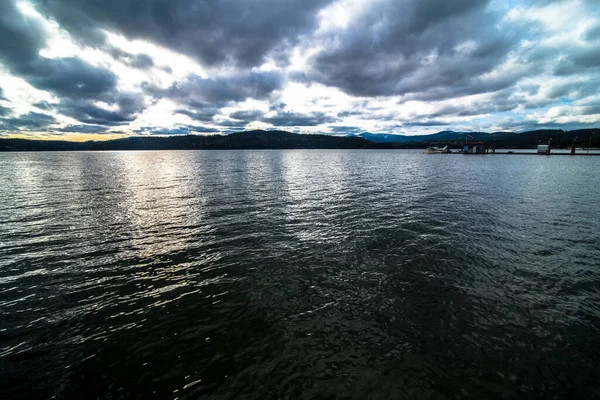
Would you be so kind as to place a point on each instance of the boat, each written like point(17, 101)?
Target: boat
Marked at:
point(435, 150)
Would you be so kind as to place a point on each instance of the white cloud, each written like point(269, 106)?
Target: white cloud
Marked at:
point(532, 63)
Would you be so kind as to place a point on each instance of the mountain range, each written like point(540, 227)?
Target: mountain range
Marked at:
point(260, 139)
point(443, 135)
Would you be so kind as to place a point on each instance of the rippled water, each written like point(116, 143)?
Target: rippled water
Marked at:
point(265, 274)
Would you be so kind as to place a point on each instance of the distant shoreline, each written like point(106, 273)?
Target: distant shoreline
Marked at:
point(281, 140)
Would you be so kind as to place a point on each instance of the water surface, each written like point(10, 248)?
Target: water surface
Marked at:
point(280, 274)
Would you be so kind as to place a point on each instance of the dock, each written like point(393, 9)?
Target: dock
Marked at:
point(529, 153)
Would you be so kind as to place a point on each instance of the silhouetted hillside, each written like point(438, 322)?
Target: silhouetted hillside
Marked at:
point(242, 140)
point(286, 140)
point(503, 140)
point(439, 136)
point(510, 140)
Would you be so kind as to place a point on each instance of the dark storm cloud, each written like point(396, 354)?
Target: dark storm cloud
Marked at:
point(43, 105)
point(277, 106)
point(344, 114)
point(77, 83)
point(231, 123)
point(215, 32)
point(424, 50)
point(128, 106)
point(588, 58)
point(69, 77)
point(469, 86)
point(83, 129)
point(89, 113)
point(220, 90)
point(590, 109)
point(428, 48)
point(201, 129)
point(498, 103)
point(299, 119)
point(576, 90)
point(346, 130)
point(247, 115)
point(203, 97)
point(29, 121)
point(201, 114)
point(130, 103)
point(199, 110)
point(140, 61)
point(2, 94)
point(593, 33)
point(21, 39)
point(579, 61)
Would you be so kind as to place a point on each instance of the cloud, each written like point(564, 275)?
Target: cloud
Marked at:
point(21, 39)
point(593, 33)
point(426, 48)
point(220, 90)
point(181, 130)
point(139, 61)
point(91, 114)
point(231, 123)
point(214, 32)
point(333, 66)
point(574, 90)
point(579, 61)
point(69, 77)
point(287, 119)
point(201, 112)
point(83, 129)
point(346, 130)
point(432, 122)
point(204, 97)
point(43, 105)
point(247, 115)
point(344, 114)
point(277, 106)
point(201, 129)
point(127, 107)
point(29, 121)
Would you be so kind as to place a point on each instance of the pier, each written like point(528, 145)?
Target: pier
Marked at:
point(529, 152)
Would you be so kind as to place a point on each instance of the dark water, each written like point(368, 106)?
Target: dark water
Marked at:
point(299, 274)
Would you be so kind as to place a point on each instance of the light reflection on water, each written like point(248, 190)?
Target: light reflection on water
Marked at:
point(298, 274)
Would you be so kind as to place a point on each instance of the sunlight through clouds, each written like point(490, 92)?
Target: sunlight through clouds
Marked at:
point(382, 66)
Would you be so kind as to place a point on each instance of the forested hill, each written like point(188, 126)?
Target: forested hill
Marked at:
point(286, 140)
point(241, 140)
point(524, 140)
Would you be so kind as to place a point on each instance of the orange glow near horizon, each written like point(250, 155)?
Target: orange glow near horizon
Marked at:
point(68, 137)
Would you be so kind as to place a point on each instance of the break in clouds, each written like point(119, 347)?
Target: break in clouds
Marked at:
point(339, 67)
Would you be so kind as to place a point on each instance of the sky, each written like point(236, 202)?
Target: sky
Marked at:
point(99, 69)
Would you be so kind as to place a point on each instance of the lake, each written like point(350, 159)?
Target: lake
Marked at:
point(299, 274)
